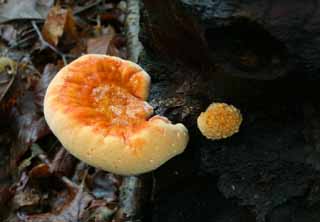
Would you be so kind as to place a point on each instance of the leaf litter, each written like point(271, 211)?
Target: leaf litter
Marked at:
point(39, 179)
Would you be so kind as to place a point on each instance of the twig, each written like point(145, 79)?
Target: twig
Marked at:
point(21, 42)
point(82, 9)
point(45, 43)
point(7, 86)
point(132, 26)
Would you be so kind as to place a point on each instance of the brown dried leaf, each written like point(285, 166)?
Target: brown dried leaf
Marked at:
point(63, 163)
point(29, 128)
point(59, 22)
point(5, 194)
point(5, 173)
point(98, 45)
point(79, 48)
point(29, 197)
point(101, 44)
point(114, 51)
point(115, 15)
point(39, 171)
point(99, 211)
point(50, 70)
point(27, 121)
point(71, 211)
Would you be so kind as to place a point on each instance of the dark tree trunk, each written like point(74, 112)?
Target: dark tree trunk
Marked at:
point(251, 39)
point(260, 57)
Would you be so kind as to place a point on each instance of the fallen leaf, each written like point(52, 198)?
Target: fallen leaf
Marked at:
point(26, 9)
point(8, 70)
point(101, 44)
point(5, 174)
point(59, 22)
point(8, 66)
point(119, 41)
point(79, 48)
point(6, 193)
point(63, 163)
point(41, 193)
point(99, 211)
point(27, 122)
point(104, 185)
point(8, 33)
point(114, 51)
point(18, 35)
point(35, 151)
point(28, 197)
point(31, 127)
point(50, 70)
point(115, 15)
point(70, 211)
point(81, 171)
point(40, 171)
point(117, 47)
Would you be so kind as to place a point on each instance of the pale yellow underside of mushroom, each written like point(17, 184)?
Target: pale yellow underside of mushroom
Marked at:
point(144, 151)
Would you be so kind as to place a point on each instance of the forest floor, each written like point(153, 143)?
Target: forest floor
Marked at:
point(39, 180)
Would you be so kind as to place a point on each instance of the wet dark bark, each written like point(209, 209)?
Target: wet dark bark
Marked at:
point(262, 58)
point(251, 39)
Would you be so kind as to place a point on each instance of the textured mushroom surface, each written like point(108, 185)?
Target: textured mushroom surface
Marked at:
point(219, 121)
point(96, 107)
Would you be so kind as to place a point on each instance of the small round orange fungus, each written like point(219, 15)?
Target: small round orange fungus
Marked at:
point(219, 121)
point(96, 107)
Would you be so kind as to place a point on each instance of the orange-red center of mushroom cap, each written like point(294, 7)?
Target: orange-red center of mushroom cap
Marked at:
point(101, 98)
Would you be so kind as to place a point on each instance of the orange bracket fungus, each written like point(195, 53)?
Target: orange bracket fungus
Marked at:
point(219, 121)
point(96, 107)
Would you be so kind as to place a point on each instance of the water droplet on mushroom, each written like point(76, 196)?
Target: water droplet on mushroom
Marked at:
point(99, 92)
point(116, 110)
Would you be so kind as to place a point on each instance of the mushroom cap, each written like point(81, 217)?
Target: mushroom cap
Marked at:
point(219, 121)
point(96, 107)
